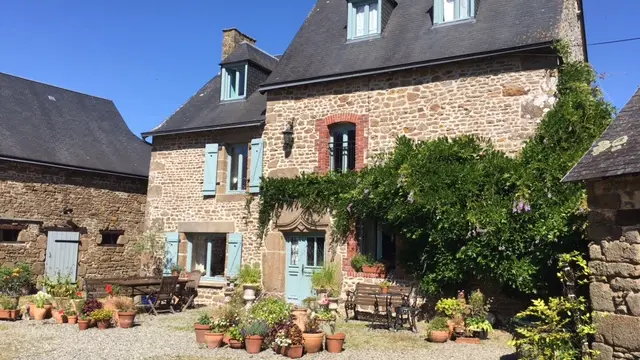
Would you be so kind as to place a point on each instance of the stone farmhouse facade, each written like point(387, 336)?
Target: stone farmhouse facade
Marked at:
point(611, 172)
point(357, 75)
point(73, 181)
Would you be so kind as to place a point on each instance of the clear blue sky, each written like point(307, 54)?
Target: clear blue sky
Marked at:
point(149, 56)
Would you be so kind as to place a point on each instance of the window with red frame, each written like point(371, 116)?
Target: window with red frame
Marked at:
point(342, 147)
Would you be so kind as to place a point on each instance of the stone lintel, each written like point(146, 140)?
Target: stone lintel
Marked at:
point(209, 227)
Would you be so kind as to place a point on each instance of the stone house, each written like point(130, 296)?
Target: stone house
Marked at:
point(357, 75)
point(73, 181)
point(611, 171)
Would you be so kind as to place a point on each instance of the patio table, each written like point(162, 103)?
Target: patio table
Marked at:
point(145, 286)
point(388, 304)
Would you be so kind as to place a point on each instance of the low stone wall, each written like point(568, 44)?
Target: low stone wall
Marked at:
point(614, 254)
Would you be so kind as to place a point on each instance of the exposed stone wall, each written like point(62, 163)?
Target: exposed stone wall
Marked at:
point(99, 202)
point(571, 28)
point(615, 262)
point(231, 38)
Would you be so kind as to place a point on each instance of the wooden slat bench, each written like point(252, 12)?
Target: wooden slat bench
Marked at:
point(95, 287)
point(365, 296)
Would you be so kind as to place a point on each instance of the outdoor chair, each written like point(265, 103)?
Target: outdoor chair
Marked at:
point(408, 311)
point(190, 291)
point(162, 299)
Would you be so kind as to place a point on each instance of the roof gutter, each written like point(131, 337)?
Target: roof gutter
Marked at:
point(68, 167)
point(204, 128)
point(276, 86)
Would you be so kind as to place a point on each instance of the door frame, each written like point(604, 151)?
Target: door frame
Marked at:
point(301, 256)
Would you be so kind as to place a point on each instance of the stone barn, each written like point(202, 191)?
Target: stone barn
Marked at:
point(73, 181)
point(611, 171)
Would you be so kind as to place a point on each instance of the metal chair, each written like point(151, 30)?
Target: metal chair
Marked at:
point(190, 291)
point(408, 312)
point(162, 299)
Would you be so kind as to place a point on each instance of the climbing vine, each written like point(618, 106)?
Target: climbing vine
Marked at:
point(465, 209)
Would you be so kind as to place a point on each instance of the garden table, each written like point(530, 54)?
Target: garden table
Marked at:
point(145, 286)
point(388, 304)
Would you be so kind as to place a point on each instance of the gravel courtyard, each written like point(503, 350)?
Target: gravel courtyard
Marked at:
point(172, 337)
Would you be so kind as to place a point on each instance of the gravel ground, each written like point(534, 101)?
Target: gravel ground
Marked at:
point(171, 337)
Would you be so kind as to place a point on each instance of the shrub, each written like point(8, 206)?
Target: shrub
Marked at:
point(61, 286)
point(91, 305)
point(477, 306)
point(312, 326)
point(235, 333)
point(123, 304)
point(204, 319)
point(327, 278)
point(230, 313)
point(249, 275)
point(101, 314)
point(449, 307)
point(14, 280)
point(255, 328)
point(7, 303)
point(272, 310)
point(438, 323)
point(360, 260)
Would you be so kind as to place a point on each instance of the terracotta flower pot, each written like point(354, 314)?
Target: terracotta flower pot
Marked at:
point(83, 324)
point(38, 313)
point(385, 290)
point(200, 331)
point(72, 319)
point(61, 318)
point(48, 307)
point(225, 339)
point(253, 344)
point(294, 351)
point(312, 342)
point(11, 315)
point(125, 319)
point(235, 344)
point(335, 342)
point(213, 340)
point(103, 324)
point(438, 336)
point(282, 350)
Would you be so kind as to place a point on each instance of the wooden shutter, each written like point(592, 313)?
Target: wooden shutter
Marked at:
point(257, 155)
point(172, 240)
point(234, 254)
point(210, 170)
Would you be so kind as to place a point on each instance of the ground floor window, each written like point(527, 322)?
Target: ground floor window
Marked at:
point(207, 254)
point(9, 235)
point(378, 241)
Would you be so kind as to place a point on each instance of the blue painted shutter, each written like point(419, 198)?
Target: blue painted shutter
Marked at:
point(257, 155)
point(234, 255)
point(62, 254)
point(210, 170)
point(171, 251)
point(438, 11)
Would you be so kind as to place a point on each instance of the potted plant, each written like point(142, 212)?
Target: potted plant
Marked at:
point(125, 312)
point(324, 317)
point(312, 336)
point(15, 281)
point(249, 277)
point(334, 341)
point(83, 322)
point(72, 316)
point(235, 337)
point(176, 270)
point(281, 342)
point(202, 326)
point(88, 307)
point(102, 318)
point(8, 309)
point(438, 330)
point(480, 328)
point(384, 286)
point(451, 308)
point(294, 350)
point(477, 324)
point(253, 333)
point(214, 338)
point(41, 300)
point(326, 281)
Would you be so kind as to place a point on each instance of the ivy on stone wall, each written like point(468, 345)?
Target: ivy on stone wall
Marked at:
point(464, 209)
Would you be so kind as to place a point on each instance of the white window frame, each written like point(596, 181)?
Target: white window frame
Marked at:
point(351, 26)
point(226, 93)
point(242, 165)
point(438, 11)
point(210, 238)
point(344, 128)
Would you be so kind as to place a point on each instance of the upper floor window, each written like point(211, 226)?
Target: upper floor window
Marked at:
point(364, 18)
point(452, 10)
point(234, 82)
point(237, 167)
point(342, 147)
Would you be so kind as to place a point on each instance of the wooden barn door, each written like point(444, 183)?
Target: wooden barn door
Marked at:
point(62, 254)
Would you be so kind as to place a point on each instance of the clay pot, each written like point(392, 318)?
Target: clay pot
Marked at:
point(83, 324)
point(213, 340)
point(235, 344)
point(313, 342)
point(126, 318)
point(103, 324)
point(10, 314)
point(282, 350)
point(38, 313)
point(335, 342)
point(225, 339)
point(61, 318)
point(294, 351)
point(253, 344)
point(200, 331)
point(384, 290)
point(438, 336)
point(72, 319)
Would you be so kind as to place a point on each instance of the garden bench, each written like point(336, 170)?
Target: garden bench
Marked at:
point(370, 296)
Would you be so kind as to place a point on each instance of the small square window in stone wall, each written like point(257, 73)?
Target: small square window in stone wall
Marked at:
point(110, 239)
point(9, 235)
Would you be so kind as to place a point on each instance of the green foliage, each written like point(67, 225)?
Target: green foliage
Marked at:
point(477, 306)
point(272, 310)
point(324, 315)
point(327, 278)
point(7, 303)
point(385, 284)
point(41, 299)
point(466, 210)
point(254, 328)
point(235, 333)
point(249, 275)
point(204, 319)
point(101, 314)
point(438, 323)
point(478, 324)
point(61, 286)
point(360, 260)
point(15, 279)
point(450, 307)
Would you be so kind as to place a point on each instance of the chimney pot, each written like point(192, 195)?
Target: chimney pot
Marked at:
point(231, 38)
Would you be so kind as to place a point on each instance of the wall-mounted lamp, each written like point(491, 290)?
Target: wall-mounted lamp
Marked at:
point(287, 137)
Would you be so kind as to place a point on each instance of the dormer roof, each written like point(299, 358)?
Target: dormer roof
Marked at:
point(256, 56)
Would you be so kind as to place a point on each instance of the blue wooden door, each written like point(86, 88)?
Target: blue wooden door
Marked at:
point(172, 240)
point(62, 254)
point(305, 255)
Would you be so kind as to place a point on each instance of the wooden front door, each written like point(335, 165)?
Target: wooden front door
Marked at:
point(305, 254)
point(62, 254)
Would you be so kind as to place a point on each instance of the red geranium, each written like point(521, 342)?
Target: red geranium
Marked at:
point(109, 289)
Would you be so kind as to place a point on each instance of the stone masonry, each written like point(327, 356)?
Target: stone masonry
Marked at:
point(614, 254)
point(36, 196)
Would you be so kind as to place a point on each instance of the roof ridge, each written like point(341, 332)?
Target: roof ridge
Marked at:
point(55, 86)
point(259, 49)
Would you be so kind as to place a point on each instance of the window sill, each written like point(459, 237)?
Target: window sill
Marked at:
point(13, 243)
point(454, 22)
point(226, 101)
point(213, 283)
point(364, 38)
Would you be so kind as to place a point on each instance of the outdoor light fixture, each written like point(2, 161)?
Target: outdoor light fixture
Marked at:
point(287, 137)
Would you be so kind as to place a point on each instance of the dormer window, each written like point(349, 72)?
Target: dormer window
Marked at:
point(234, 82)
point(364, 19)
point(452, 10)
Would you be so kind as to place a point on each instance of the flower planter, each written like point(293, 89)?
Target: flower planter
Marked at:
point(312, 342)
point(103, 324)
point(384, 290)
point(374, 269)
point(294, 351)
point(126, 319)
point(249, 291)
point(322, 295)
point(225, 339)
point(200, 331)
point(61, 318)
point(253, 344)
point(213, 340)
point(466, 340)
point(335, 342)
point(38, 313)
point(72, 319)
point(83, 324)
point(11, 315)
point(439, 336)
point(235, 344)
point(281, 350)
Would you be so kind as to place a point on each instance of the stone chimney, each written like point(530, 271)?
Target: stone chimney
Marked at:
point(231, 38)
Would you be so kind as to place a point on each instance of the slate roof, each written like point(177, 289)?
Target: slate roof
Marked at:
point(320, 50)
point(246, 51)
point(48, 125)
point(617, 151)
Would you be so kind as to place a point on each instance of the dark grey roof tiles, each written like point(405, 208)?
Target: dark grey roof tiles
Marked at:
point(617, 151)
point(46, 124)
point(248, 52)
point(320, 49)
